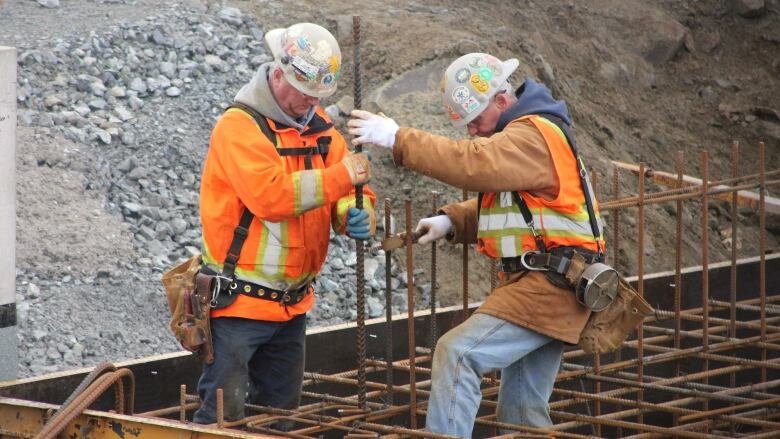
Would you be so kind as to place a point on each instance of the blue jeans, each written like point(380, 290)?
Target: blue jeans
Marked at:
point(529, 362)
point(264, 358)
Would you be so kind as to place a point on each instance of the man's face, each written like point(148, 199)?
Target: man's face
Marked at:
point(290, 100)
point(485, 124)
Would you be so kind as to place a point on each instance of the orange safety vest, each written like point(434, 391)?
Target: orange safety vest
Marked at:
point(293, 207)
point(503, 232)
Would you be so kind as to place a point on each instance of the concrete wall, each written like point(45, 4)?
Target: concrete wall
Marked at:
point(9, 356)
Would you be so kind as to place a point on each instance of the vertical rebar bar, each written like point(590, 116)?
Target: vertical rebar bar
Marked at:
point(359, 248)
point(220, 408)
point(183, 403)
point(762, 248)
point(433, 334)
point(410, 316)
point(596, 356)
point(641, 282)
point(388, 305)
point(705, 262)
point(465, 272)
point(733, 272)
point(616, 248)
point(678, 271)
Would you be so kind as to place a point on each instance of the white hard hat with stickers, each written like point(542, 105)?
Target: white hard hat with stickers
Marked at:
point(469, 83)
point(309, 56)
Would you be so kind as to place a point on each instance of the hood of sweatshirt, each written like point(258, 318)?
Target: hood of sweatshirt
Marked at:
point(533, 98)
point(257, 94)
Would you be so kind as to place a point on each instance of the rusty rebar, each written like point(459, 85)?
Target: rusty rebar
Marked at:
point(465, 272)
point(360, 294)
point(410, 315)
point(733, 268)
point(433, 333)
point(762, 247)
point(640, 283)
point(388, 305)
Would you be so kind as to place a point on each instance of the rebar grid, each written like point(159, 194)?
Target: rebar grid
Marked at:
point(704, 371)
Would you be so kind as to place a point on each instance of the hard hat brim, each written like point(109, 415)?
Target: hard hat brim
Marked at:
point(273, 39)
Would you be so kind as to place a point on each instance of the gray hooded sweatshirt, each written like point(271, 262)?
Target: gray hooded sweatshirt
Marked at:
point(258, 95)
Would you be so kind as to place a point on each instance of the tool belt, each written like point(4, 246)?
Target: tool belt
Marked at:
point(595, 284)
point(225, 291)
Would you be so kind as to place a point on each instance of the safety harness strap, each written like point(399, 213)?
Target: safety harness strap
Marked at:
point(586, 190)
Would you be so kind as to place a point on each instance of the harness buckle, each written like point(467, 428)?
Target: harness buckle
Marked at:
point(527, 265)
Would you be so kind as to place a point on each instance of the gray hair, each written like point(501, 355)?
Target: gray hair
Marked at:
point(506, 87)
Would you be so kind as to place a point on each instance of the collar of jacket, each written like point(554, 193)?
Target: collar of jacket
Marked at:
point(533, 98)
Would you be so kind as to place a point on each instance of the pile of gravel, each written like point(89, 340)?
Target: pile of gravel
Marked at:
point(135, 106)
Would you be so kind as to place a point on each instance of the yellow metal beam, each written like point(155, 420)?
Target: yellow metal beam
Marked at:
point(24, 419)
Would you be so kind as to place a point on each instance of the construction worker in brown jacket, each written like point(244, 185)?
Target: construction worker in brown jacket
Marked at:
point(531, 199)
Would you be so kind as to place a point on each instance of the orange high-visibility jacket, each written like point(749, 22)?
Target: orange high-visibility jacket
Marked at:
point(562, 222)
point(294, 208)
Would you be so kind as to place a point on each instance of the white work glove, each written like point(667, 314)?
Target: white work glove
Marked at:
point(436, 227)
point(372, 128)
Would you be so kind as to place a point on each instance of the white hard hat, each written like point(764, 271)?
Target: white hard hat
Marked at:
point(469, 83)
point(309, 57)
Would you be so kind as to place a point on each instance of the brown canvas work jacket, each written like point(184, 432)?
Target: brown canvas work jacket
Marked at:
point(514, 159)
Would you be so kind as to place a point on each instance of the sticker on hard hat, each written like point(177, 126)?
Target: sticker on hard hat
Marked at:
point(485, 74)
point(479, 84)
point(495, 68)
point(460, 94)
point(303, 43)
point(471, 105)
point(452, 113)
point(477, 63)
point(305, 67)
point(462, 75)
point(327, 79)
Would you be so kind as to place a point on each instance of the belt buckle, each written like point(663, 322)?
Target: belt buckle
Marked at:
point(525, 264)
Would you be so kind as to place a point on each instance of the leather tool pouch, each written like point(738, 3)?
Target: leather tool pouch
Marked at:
point(190, 310)
point(606, 330)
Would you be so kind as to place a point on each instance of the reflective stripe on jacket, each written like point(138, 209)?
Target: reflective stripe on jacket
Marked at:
point(294, 208)
point(503, 232)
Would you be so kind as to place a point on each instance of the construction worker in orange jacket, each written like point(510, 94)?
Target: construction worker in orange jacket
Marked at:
point(277, 177)
point(531, 199)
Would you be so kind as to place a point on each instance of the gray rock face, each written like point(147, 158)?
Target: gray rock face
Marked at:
point(749, 8)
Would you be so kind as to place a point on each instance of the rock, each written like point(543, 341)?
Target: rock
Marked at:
point(138, 85)
point(709, 94)
point(663, 38)
point(123, 113)
point(117, 91)
point(97, 104)
point(371, 266)
point(172, 92)
point(212, 60)
point(374, 307)
point(168, 69)
point(544, 69)
point(345, 105)
point(615, 74)
point(230, 15)
point(749, 8)
point(103, 136)
point(49, 3)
